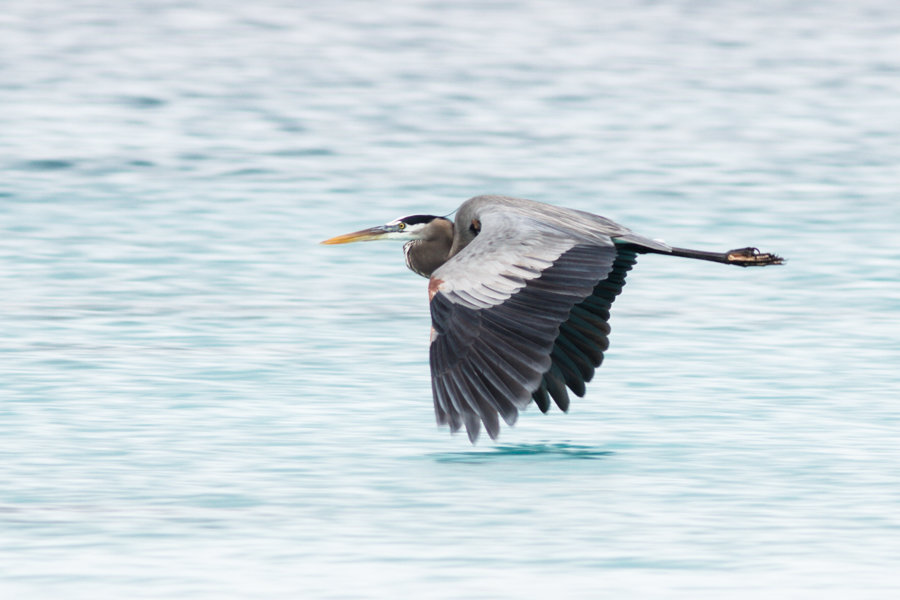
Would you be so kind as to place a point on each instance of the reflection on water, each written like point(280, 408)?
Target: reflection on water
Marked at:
point(558, 451)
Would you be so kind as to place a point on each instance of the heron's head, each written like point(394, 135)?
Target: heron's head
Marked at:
point(414, 227)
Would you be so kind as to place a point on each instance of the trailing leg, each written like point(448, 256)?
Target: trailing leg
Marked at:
point(741, 257)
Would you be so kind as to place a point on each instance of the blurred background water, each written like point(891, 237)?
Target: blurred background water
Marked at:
point(198, 401)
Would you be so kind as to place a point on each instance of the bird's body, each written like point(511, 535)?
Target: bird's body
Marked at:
point(520, 293)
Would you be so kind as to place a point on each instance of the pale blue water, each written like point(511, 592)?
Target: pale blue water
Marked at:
point(198, 401)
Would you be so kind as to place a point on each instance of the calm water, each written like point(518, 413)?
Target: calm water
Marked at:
point(198, 401)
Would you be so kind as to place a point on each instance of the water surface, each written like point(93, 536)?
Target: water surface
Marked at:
point(198, 401)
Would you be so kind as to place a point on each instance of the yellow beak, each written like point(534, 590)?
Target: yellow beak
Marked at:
point(364, 235)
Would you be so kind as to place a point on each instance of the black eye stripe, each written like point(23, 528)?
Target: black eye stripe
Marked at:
point(418, 219)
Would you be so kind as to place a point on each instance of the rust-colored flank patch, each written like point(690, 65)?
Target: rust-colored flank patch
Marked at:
point(434, 285)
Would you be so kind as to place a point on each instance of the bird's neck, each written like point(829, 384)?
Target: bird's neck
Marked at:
point(426, 255)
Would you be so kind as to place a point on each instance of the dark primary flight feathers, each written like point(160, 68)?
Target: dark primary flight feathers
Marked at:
point(520, 294)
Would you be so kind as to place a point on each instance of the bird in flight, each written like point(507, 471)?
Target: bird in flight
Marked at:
point(520, 293)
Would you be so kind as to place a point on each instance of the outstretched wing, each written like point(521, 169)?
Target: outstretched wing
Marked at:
point(496, 310)
point(583, 338)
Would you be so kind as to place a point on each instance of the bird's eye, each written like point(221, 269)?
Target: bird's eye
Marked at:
point(401, 226)
point(475, 226)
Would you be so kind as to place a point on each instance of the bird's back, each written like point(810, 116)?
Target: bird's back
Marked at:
point(584, 226)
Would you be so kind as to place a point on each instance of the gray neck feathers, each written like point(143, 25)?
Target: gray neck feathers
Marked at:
point(424, 256)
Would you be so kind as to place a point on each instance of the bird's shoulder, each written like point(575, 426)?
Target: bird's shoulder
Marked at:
point(505, 212)
point(507, 217)
point(511, 247)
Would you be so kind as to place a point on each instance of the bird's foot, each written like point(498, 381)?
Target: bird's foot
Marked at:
point(752, 257)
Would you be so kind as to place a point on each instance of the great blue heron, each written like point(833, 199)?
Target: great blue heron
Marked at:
point(520, 293)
